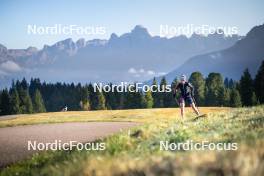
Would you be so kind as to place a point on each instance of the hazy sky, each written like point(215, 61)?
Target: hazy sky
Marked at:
point(120, 16)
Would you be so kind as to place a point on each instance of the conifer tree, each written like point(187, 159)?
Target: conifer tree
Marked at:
point(226, 82)
point(147, 100)
point(84, 102)
point(259, 83)
point(224, 96)
point(231, 84)
point(235, 100)
point(214, 84)
point(254, 99)
point(91, 96)
point(155, 93)
point(162, 95)
point(133, 98)
point(198, 82)
point(246, 88)
point(14, 101)
point(173, 86)
point(38, 104)
point(101, 101)
point(5, 102)
point(25, 101)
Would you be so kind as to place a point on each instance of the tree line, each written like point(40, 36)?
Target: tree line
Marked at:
point(36, 96)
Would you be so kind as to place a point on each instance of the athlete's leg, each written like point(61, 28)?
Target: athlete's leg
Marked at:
point(182, 104)
point(195, 109)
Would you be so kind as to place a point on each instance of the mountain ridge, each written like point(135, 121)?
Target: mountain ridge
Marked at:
point(231, 62)
point(97, 59)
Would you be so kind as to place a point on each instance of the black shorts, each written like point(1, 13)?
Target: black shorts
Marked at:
point(187, 99)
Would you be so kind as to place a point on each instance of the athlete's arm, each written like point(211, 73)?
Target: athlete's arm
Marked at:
point(192, 88)
point(175, 90)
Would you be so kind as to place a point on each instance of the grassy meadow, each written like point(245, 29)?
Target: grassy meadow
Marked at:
point(137, 151)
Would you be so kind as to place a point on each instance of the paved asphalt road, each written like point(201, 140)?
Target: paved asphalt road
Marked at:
point(14, 140)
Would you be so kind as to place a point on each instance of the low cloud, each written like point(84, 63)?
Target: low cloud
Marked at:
point(132, 71)
point(10, 67)
point(150, 72)
point(161, 73)
point(143, 72)
point(2, 73)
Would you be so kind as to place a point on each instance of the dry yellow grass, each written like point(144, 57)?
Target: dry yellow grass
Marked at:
point(137, 151)
point(135, 115)
point(244, 162)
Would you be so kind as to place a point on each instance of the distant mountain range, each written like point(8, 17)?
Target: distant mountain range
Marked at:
point(231, 62)
point(133, 56)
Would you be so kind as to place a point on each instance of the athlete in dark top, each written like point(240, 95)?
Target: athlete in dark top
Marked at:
point(187, 92)
point(186, 89)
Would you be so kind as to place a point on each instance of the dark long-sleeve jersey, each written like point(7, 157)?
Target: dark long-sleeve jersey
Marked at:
point(185, 88)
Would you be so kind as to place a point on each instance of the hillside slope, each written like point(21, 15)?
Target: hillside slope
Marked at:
point(137, 151)
point(246, 53)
